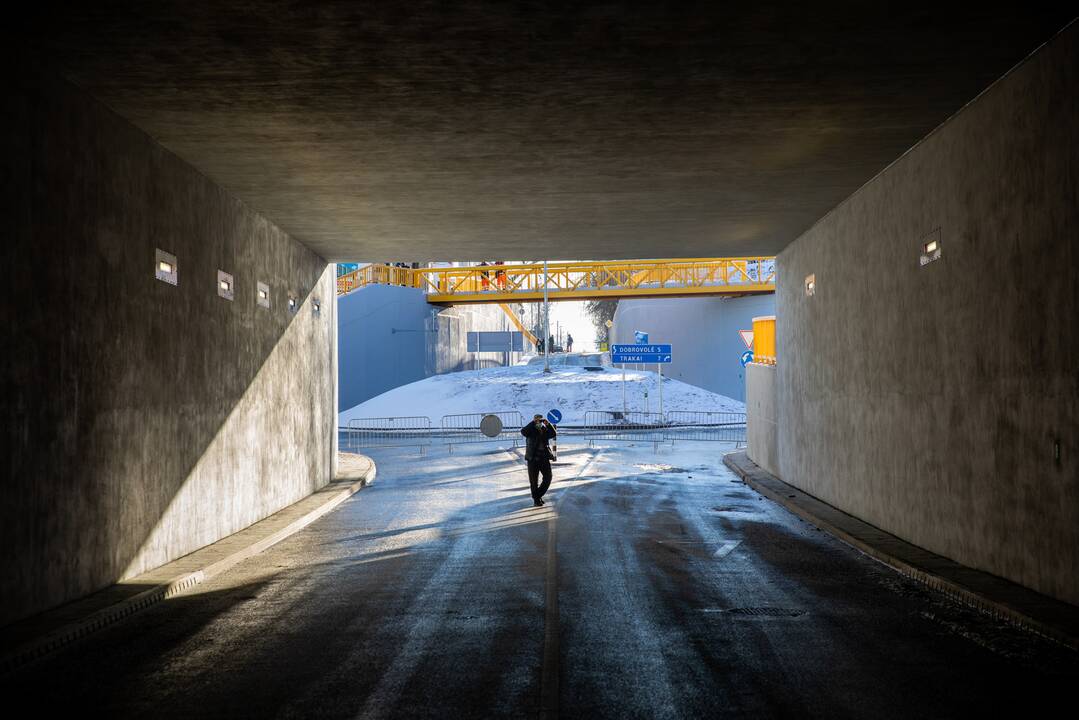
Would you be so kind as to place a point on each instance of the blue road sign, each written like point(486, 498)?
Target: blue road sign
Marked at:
point(554, 416)
point(642, 337)
point(747, 357)
point(646, 354)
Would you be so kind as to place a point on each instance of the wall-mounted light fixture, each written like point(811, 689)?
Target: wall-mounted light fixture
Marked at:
point(165, 267)
point(224, 285)
point(316, 307)
point(262, 294)
point(293, 304)
point(930, 248)
point(811, 285)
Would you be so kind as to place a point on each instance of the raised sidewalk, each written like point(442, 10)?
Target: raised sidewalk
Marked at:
point(989, 593)
point(32, 639)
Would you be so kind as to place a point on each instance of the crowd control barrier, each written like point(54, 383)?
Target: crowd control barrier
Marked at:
point(388, 432)
point(599, 425)
point(707, 426)
point(465, 428)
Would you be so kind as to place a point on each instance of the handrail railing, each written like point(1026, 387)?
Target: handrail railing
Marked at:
point(375, 274)
point(576, 280)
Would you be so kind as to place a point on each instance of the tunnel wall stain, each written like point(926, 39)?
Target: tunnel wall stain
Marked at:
point(931, 400)
point(142, 420)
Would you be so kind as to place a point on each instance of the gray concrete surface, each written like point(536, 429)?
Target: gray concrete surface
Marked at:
point(476, 129)
point(762, 430)
point(704, 332)
point(649, 586)
point(390, 336)
point(941, 403)
point(142, 420)
point(33, 639)
point(1000, 598)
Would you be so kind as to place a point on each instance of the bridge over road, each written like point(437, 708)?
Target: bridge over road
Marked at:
point(590, 280)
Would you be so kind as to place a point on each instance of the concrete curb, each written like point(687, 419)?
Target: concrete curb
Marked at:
point(335, 493)
point(994, 596)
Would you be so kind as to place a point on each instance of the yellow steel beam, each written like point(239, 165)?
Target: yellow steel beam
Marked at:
point(577, 280)
point(558, 295)
point(517, 321)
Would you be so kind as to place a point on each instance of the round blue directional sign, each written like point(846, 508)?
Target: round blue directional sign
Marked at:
point(747, 357)
point(555, 416)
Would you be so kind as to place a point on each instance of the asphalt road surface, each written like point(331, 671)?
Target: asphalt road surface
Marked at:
point(650, 585)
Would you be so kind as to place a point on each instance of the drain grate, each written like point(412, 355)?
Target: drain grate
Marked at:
point(767, 612)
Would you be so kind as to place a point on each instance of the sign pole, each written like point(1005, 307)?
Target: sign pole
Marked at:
point(546, 324)
point(659, 367)
point(623, 389)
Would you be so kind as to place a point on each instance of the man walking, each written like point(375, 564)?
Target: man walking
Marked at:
point(569, 343)
point(538, 434)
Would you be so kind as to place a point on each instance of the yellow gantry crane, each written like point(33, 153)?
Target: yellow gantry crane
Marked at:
point(575, 280)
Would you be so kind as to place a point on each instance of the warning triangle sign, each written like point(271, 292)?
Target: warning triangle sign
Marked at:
point(747, 338)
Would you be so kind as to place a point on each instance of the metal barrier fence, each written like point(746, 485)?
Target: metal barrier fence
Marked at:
point(710, 426)
point(624, 426)
point(612, 425)
point(388, 432)
point(465, 428)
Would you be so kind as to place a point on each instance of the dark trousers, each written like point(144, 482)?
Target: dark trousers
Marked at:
point(535, 467)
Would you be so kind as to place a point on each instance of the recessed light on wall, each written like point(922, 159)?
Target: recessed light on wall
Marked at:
point(165, 268)
point(316, 306)
point(293, 304)
point(930, 248)
point(811, 284)
point(224, 285)
point(263, 294)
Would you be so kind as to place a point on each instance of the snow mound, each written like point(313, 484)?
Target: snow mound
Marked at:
point(527, 389)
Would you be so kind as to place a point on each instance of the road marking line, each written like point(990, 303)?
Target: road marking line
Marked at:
point(549, 674)
point(725, 549)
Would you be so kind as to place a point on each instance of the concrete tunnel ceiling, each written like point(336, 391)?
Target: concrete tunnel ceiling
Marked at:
point(468, 130)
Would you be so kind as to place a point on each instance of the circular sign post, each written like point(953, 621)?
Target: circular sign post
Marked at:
point(491, 425)
point(554, 416)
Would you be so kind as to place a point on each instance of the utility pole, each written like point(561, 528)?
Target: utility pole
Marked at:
point(546, 324)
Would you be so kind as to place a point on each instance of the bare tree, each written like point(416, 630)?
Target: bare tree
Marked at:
point(600, 311)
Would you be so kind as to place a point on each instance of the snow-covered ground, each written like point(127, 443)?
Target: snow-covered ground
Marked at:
point(525, 388)
point(597, 359)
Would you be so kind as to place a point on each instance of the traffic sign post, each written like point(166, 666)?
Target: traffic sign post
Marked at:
point(659, 367)
point(641, 354)
point(747, 338)
point(554, 416)
point(660, 355)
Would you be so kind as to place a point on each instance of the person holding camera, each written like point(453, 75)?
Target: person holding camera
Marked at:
point(538, 435)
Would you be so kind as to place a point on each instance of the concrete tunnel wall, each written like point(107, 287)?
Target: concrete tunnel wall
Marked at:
point(389, 336)
point(930, 401)
point(143, 420)
point(762, 430)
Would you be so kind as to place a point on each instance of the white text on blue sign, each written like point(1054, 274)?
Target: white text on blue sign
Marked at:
point(642, 349)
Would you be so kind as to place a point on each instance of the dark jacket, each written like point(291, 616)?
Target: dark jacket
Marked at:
point(538, 447)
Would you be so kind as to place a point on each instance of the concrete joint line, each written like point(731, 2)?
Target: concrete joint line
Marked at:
point(959, 593)
point(41, 647)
